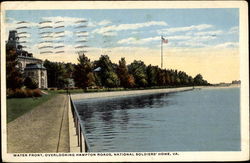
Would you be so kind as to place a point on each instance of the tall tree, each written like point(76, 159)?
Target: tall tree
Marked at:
point(167, 77)
point(107, 73)
point(69, 69)
point(13, 72)
point(51, 75)
point(126, 79)
point(138, 70)
point(152, 75)
point(56, 73)
point(83, 75)
point(161, 79)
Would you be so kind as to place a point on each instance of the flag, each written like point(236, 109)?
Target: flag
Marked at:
point(164, 40)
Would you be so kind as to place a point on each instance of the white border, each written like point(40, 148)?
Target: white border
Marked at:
point(187, 156)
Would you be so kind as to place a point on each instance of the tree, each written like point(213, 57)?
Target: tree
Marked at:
point(152, 75)
point(57, 74)
point(198, 80)
point(107, 74)
point(126, 79)
point(82, 74)
point(167, 77)
point(61, 74)
point(190, 80)
point(112, 79)
point(51, 75)
point(69, 69)
point(130, 81)
point(14, 77)
point(138, 70)
point(161, 77)
point(184, 78)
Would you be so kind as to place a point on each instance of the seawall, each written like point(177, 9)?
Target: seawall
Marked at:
point(81, 96)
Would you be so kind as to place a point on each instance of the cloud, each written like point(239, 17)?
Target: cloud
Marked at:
point(227, 45)
point(80, 34)
point(67, 21)
point(209, 33)
point(72, 21)
point(184, 29)
point(24, 35)
point(122, 27)
point(179, 37)
point(92, 23)
point(104, 22)
point(110, 34)
point(133, 40)
point(173, 40)
point(233, 30)
point(192, 41)
point(191, 44)
point(68, 55)
point(12, 24)
point(135, 32)
point(68, 33)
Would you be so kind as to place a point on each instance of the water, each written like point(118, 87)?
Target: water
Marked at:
point(199, 120)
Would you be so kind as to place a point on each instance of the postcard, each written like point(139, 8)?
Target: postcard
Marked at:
point(124, 81)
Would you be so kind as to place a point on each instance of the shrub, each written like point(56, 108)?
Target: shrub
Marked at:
point(29, 93)
point(29, 83)
point(19, 93)
point(37, 93)
point(9, 92)
point(22, 93)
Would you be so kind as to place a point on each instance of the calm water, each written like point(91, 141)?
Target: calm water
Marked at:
point(199, 120)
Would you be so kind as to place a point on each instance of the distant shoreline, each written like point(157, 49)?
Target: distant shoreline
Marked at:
point(219, 86)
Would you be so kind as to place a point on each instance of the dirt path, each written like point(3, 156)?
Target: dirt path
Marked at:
point(44, 129)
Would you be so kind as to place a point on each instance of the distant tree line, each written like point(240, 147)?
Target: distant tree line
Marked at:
point(99, 73)
point(104, 73)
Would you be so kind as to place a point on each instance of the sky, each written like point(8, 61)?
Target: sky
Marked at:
point(204, 41)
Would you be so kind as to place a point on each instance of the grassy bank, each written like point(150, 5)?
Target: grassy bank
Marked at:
point(18, 106)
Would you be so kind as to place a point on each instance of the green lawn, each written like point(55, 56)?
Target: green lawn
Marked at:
point(18, 106)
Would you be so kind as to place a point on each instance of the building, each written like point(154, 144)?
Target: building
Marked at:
point(236, 82)
point(30, 66)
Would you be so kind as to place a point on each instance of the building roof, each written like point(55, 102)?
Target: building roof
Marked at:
point(31, 58)
point(34, 66)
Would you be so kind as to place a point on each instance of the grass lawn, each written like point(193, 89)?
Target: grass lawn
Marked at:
point(18, 106)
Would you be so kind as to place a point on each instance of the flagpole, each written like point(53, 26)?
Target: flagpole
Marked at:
point(161, 52)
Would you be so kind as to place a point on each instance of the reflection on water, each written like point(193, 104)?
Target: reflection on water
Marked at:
point(185, 121)
point(106, 108)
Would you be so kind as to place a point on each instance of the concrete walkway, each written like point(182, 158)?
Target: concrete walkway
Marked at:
point(82, 96)
point(44, 129)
